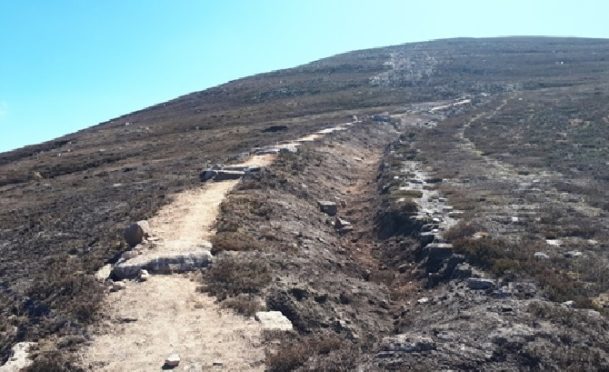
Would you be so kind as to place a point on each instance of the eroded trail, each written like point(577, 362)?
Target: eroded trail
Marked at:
point(146, 321)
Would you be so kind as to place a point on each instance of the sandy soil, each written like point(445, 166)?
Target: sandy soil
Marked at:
point(150, 320)
point(147, 321)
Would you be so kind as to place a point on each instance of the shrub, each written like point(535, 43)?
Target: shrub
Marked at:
point(295, 353)
point(231, 276)
point(234, 241)
point(243, 304)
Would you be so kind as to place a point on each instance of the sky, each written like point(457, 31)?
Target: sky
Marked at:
point(69, 64)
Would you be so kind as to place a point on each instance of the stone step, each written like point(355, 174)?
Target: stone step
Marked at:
point(163, 263)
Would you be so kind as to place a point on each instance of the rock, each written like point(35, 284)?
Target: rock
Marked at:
point(225, 175)
point(438, 251)
point(163, 264)
point(405, 343)
point(172, 361)
point(480, 283)
point(462, 271)
point(127, 255)
point(426, 238)
point(340, 223)
point(541, 256)
point(20, 357)
point(573, 254)
point(145, 227)
point(327, 207)
point(273, 321)
point(422, 300)
point(103, 273)
point(289, 148)
point(570, 304)
point(133, 234)
point(267, 151)
point(118, 286)
point(143, 275)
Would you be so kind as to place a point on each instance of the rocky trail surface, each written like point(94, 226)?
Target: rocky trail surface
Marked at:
point(153, 318)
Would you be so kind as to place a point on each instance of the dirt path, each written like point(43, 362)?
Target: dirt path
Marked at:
point(147, 321)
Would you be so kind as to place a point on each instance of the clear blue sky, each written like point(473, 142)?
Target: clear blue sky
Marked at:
point(69, 64)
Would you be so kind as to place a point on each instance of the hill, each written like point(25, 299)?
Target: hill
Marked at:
point(474, 182)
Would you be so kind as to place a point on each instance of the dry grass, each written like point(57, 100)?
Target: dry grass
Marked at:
point(234, 241)
point(292, 354)
point(231, 276)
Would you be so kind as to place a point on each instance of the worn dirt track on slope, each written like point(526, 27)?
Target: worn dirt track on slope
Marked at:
point(148, 321)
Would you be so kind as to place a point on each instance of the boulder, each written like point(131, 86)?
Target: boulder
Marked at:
point(225, 175)
point(541, 256)
point(480, 283)
point(172, 361)
point(273, 321)
point(328, 207)
point(133, 234)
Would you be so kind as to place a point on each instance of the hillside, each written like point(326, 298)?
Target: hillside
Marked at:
point(472, 173)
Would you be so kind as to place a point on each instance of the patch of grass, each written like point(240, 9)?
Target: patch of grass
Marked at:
point(234, 241)
point(462, 230)
point(292, 354)
point(231, 276)
point(243, 304)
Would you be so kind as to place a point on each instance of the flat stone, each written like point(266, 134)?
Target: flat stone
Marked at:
point(273, 321)
point(480, 283)
point(163, 263)
point(172, 361)
point(327, 207)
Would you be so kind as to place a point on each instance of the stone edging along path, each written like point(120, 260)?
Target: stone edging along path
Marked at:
point(162, 321)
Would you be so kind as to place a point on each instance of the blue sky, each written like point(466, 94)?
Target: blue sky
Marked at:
point(69, 64)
